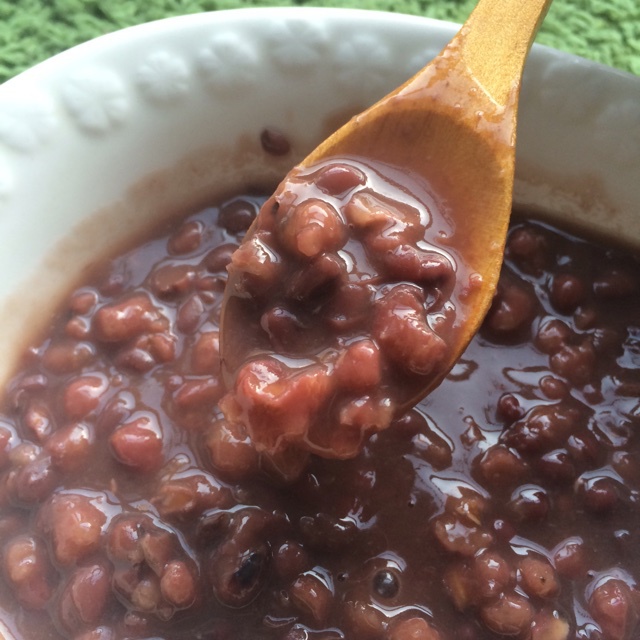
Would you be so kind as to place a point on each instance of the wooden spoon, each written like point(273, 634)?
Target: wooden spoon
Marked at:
point(452, 125)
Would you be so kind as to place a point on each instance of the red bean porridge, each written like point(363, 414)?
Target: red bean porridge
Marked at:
point(504, 505)
point(340, 308)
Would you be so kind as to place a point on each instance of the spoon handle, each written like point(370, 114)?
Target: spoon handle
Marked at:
point(495, 41)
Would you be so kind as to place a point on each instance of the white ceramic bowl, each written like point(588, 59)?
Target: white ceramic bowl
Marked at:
point(155, 120)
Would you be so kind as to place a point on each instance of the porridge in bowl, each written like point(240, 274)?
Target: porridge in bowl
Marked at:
point(504, 505)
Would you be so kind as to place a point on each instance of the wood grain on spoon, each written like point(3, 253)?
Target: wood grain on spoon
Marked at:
point(437, 157)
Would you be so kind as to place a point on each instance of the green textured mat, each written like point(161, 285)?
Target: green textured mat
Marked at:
point(32, 30)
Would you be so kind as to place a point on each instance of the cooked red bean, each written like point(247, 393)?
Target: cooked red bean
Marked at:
point(28, 571)
point(413, 629)
point(128, 319)
point(230, 450)
point(510, 615)
point(75, 524)
point(178, 585)
point(274, 142)
point(512, 310)
point(571, 558)
point(614, 607)
point(172, 280)
point(82, 396)
point(506, 505)
point(538, 578)
point(187, 238)
point(84, 597)
point(401, 330)
point(138, 443)
point(70, 446)
point(566, 292)
point(312, 596)
point(190, 496)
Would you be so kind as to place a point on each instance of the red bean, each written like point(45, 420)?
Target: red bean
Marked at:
point(28, 571)
point(552, 336)
point(401, 330)
point(549, 626)
point(509, 408)
point(600, 494)
point(128, 319)
point(336, 179)
point(274, 142)
point(187, 238)
point(68, 356)
point(358, 367)
point(614, 283)
point(566, 292)
point(82, 395)
point(159, 548)
point(6, 441)
point(575, 363)
point(205, 356)
point(570, 558)
point(528, 248)
point(146, 595)
point(102, 632)
point(290, 560)
point(554, 388)
point(277, 403)
point(38, 420)
point(312, 596)
point(178, 585)
point(458, 537)
point(124, 539)
point(172, 280)
point(538, 578)
point(387, 221)
point(76, 526)
point(542, 429)
point(83, 301)
point(460, 582)
point(190, 314)
point(35, 481)
point(529, 503)
point(84, 597)
point(492, 574)
point(217, 259)
point(509, 615)
point(557, 466)
point(614, 608)
point(364, 620)
point(230, 450)
point(260, 268)
point(349, 306)
point(512, 309)
point(70, 446)
point(500, 467)
point(190, 496)
point(138, 443)
point(413, 629)
point(311, 228)
point(237, 572)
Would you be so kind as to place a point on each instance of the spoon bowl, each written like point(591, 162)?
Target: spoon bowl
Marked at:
point(450, 132)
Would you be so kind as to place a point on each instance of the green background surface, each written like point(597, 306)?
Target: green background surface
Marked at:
point(31, 30)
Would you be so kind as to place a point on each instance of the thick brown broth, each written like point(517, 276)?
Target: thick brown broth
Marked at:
point(504, 505)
